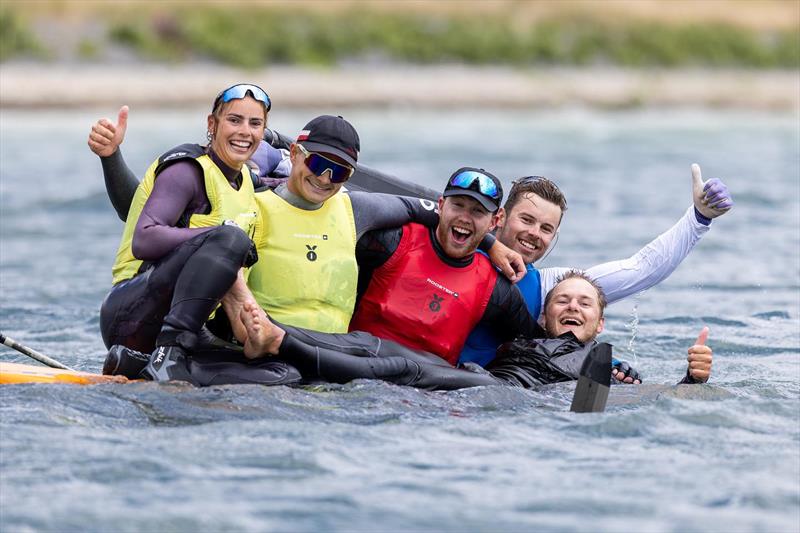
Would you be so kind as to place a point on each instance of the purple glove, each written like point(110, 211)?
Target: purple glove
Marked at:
point(270, 161)
point(717, 195)
point(711, 198)
point(272, 168)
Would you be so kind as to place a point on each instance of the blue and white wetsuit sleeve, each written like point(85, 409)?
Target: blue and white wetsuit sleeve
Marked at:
point(647, 267)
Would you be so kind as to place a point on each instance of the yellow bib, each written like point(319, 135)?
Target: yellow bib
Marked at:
point(306, 275)
point(226, 204)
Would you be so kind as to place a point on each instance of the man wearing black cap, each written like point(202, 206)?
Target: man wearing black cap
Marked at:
point(427, 288)
point(307, 273)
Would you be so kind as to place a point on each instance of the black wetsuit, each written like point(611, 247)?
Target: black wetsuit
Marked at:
point(342, 358)
point(174, 293)
point(523, 362)
point(212, 362)
point(531, 362)
point(179, 291)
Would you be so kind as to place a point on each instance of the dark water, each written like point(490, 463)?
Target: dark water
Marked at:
point(372, 456)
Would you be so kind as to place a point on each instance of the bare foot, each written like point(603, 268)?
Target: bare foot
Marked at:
point(263, 337)
point(233, 302)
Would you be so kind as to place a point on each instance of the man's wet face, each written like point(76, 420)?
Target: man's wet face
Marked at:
point(573, 306)
point(530, 226)
point(463, 222)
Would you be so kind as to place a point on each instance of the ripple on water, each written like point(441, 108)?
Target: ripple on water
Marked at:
point(770, 315)
point(715, 321)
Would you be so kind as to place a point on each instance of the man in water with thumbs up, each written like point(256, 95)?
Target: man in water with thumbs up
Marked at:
point(528, 224)
point(573, 314)
point(573, 317)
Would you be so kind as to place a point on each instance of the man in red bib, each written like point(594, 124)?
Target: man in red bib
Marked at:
point(426, 289)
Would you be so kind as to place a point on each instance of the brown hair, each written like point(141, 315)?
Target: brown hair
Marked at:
point(577, 274)
point(539, 186)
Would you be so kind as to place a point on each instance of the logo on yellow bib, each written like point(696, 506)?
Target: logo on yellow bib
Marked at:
point(311, 255)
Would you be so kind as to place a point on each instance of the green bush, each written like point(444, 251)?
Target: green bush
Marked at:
point(257, 36)
point(158, 37)
point(15, 38)
point(787, 49)
point(88, 49)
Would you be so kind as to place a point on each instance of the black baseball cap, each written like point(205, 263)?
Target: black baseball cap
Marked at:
point(478, 184)
point(331, 135)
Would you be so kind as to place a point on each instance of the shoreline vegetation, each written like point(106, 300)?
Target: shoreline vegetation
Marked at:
point(618, 53)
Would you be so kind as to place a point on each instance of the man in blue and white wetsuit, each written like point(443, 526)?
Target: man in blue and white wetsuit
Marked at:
point(529, 224)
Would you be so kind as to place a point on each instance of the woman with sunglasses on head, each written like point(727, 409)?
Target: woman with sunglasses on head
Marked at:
point(187, 234)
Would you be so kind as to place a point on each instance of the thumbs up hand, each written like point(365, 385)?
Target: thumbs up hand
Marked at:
point(105, 137)
point(700, 359)
point(711, 198)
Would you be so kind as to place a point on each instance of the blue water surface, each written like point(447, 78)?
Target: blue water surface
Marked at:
point(369, 456)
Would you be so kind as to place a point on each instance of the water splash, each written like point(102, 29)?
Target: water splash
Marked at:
point(633, 326)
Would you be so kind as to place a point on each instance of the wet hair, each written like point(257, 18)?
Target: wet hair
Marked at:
point(577, 274)
point(539, 186)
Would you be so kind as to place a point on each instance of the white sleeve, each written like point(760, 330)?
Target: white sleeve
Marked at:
point(647, 267)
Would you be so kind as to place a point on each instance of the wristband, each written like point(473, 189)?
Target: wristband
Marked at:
point(702, 219)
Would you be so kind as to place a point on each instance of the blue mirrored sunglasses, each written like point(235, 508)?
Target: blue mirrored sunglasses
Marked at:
point(468, 178)
point(319, 164)
point(240, 91)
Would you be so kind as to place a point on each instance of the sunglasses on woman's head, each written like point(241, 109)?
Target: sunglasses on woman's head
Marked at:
point(240, 91)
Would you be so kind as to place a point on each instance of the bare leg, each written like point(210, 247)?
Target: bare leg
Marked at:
point(263, 337)
point(233, 303)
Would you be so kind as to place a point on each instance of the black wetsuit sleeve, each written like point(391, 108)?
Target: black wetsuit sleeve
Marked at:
point(372, 251)
point(121, 183)
point(507, 315)
point(339, 358)
point(487, 242)
point(688, 379)
point(378, 211)
point(377, 246)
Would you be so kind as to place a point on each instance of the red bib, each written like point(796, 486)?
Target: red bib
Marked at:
point(421, 302)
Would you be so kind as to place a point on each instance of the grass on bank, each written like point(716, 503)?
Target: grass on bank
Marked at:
point(16, 38)
point(258, 36)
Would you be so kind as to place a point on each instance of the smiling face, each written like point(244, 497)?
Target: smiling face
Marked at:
point(530, 226)
point(573, 305)
point(307, 185)
point(236, 128)
point(463, 222)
